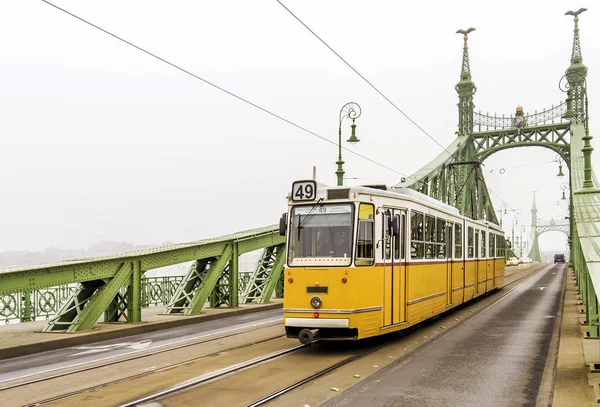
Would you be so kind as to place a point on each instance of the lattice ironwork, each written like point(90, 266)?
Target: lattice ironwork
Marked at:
point(34, 305)
point(555, 137)
point(159, 290)
point(220, 294)
point(503, 122)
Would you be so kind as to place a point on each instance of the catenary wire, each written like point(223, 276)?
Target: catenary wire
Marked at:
point(365, 79)
point(246, 100)
point(224, 90)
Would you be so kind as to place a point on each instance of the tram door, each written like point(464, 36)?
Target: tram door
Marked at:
point(476, 272)
point(394, 280)
point(449, 251)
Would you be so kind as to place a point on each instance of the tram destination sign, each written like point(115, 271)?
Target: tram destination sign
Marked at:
point(304, 191)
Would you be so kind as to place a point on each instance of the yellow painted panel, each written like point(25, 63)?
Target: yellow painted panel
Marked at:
point(387, 305)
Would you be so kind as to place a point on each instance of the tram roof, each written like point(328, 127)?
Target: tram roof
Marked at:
point(404, 193)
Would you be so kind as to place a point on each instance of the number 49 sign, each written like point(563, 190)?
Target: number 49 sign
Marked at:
point(304, 191)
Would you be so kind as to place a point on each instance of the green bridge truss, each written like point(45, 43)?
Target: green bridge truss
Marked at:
point(113, 285)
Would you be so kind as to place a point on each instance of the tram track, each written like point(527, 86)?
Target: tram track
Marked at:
point(113, 360)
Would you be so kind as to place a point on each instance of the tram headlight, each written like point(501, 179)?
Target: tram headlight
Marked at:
point(316, 302)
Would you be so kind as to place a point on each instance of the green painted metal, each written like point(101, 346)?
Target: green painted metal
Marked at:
point(186, 289)
point(274, 277)
point(85, 306)
point(352, 111)
point(200, 296)
point(134, 302)
point(257, 282)
point(113, 284)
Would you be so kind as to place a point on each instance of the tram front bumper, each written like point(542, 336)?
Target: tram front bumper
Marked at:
point(317, 322)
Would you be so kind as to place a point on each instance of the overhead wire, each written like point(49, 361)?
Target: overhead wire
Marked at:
point(265, 110)
point(364, 79)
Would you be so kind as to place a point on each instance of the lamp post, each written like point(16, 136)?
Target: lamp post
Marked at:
point(503, 207)
point(516, 213)
point(352, 111)
point(559, 159)
point(563, 187)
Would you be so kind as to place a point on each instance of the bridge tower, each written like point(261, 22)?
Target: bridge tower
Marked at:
point(534, 253)
point(455, 175)
point(466, 170)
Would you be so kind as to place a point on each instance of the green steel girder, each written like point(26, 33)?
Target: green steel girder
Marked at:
point(257, 279)
point(200, 296)
point(31, 278)
point(552, 136)
point(274, 276)
point(263, 281)
point(87, 304)
point(112, 284)
point(185, 290)
point(221, 293)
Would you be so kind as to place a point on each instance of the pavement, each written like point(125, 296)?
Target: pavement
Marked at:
point(27, 339)
point(571, 387)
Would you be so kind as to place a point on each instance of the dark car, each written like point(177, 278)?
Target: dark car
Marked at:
point(559, 258)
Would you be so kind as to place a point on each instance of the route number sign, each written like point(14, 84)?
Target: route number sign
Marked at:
point(304, 191)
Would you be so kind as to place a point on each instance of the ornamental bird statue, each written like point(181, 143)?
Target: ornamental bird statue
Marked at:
point(575, 13)
point(465, 32)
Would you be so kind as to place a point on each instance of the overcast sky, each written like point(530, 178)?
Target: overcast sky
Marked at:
point(100, 141)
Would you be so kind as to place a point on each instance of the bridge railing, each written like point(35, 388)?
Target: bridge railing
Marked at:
point(585, 233)
point(41, 304)
point(73, 295)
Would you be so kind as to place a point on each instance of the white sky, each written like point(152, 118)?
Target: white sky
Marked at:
point(100, 141)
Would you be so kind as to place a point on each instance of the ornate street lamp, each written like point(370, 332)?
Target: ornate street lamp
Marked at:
point(564, 186)
point(503, 206)
point(352, 111)
point(560, 170)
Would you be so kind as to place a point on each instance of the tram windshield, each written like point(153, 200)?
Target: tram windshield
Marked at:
point(321, 231)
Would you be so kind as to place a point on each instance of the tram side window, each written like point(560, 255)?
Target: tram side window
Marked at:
point(483, 243)
point(387, 238)
point(416, 235)
point(403, 236)
point(365, 253)
point(440, 248)
point(397, 239)
point(470, 242)
point(429, 237)
point(458, 242)
point(499, 246)
point(492, 245)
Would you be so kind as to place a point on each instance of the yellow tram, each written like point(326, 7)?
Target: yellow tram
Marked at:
point(366, 261)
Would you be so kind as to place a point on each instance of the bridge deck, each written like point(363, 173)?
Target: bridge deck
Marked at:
point(26, 338)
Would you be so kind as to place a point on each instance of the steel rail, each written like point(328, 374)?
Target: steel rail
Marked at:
point(215, 375)
point(149, 352)
point(148, 372)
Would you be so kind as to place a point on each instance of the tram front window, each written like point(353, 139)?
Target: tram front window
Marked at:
point(319, 232)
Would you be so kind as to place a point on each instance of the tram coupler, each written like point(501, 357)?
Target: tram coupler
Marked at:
point(306, 336)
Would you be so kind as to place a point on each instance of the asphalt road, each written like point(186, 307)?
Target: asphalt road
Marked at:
point(25, 366)
point(495, 358)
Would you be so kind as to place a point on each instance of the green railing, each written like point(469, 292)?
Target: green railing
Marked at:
point(33, 305)
point(585, 233)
